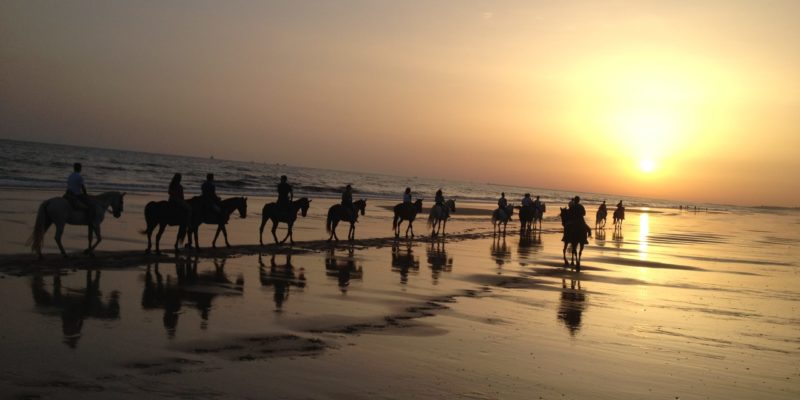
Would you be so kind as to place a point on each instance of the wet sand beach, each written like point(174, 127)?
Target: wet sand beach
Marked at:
point(675, 305)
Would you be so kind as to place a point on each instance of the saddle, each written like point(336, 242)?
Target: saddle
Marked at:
point(74, 202)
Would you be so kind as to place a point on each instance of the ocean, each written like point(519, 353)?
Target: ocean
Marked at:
point(31, 165)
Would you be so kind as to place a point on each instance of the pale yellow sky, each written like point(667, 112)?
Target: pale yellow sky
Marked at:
point(576, 95)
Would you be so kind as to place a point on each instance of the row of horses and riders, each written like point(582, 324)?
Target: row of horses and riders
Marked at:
point(76, 207)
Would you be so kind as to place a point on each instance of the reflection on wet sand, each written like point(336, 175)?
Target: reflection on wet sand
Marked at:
point(501, 253)
point(573, 303)
point(404, 261)
point(281, 277)
point(343, 269)
point(600, 237)
point(618, 238)
point(530, 242)
point(188, 286)
point(74, 305)
point(438, 260)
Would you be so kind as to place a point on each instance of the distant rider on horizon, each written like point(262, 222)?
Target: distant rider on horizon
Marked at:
point(285, 195)
point(209, 193)
point(347, 202)
point(578, 213)
point(407, 196)
point(176, 196)
point(439, 199)
point(76, 192)
point(527, 201)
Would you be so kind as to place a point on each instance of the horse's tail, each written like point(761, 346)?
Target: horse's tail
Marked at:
point(394, 221)
point(43, 222)
point(148, 216)
point(431, 217)
point(329, 222)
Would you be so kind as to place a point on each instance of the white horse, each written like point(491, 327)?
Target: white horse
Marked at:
point(60, 212)
point(501, 216)
point(437, 220)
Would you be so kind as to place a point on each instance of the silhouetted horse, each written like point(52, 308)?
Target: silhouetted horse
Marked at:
point(338, 213)
point(274, 213)
point(407, 212)
point(500, 216)
point(538, 215)
point(600, 218)
point(437, 219)
point(526, 218)
point(575, 234)
point(163, 214)
point(619, 216)
point(202, 214)
point(60, 212)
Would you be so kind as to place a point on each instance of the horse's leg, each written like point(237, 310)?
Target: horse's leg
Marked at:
point(179, 237)
point(99, 239)
point(261, 230)
point(275, 228)
point(59, 232)
point(333, 229)
point(91, 237)
point(289, 234)
point(352, 235)
point(196, 233)
point(149, 240)
point(410, 226)
point(444, 227)
point(225, 235)
point(564, 252)
point(161, 228)
point(216, 235)
point(578, 264)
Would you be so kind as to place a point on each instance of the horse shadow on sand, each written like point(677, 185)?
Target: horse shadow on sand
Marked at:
point(404, 262)
point(572, 305)
point(188, 287)
point(438, 260)
point(281, 277)
point(343, 268)
point(500, 252)
point(74, 306)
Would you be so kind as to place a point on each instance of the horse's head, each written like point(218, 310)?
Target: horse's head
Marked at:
point(304, 204)
point(117, 204)
point(451, 204)
point(418, 205)
point(564, 215)
point(361, 206)
point(241, 206)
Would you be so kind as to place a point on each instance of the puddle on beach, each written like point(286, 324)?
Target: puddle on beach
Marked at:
point(659, 309)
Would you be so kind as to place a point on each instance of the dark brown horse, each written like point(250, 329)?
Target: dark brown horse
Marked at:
point(575, 233)
point(274, 213)
point(338, 213)
point(407, 212)
point(201, 214)
point(163, 214)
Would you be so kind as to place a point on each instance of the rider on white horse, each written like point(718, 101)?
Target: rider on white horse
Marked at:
point(76, 192)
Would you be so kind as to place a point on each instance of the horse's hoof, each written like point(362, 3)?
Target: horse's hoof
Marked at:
point(147, 251)
point(87, 252)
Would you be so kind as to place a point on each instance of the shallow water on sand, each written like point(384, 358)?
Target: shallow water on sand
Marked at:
point(676, 305)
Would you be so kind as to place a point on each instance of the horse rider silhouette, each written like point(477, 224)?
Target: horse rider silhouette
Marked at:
point(76, 193)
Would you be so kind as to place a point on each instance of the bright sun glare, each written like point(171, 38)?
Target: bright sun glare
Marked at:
point(647, 165)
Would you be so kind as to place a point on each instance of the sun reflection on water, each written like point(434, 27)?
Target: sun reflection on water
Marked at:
point(644, 230)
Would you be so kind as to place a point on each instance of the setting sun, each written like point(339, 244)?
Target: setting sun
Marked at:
point(647, 165)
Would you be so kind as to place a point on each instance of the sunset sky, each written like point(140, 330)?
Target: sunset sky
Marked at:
point(686, 100)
